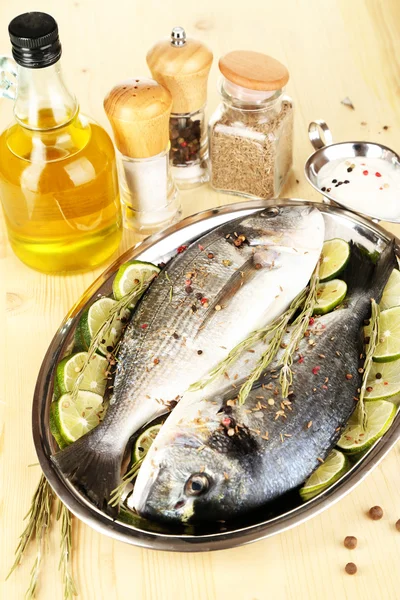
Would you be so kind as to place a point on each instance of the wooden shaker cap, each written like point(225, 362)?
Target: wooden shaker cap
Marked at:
point(254, 70)
point(183, 69)
point(139, 112)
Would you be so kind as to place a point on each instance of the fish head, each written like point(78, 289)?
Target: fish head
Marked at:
point(292, 228)
point(194, 476)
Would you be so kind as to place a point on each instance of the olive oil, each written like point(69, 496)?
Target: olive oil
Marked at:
point(58, 181)
point(59, 193)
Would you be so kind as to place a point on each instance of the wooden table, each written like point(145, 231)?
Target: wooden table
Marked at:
point(333, 49)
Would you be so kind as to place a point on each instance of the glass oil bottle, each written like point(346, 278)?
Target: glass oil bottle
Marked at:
point(58, 181)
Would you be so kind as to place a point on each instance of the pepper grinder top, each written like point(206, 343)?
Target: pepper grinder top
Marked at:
point(181, 65)
point(139, 112)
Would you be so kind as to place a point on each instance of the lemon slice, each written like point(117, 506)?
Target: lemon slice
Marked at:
point(130, 274)
point(380, 415)
point(329, 295)
point(388, 346)
point(94, 377)
point(330, 471)
point(383, 380)
point(94, 318)
point(75, 417)
point(391, 293)
point(335, 256)
point(144, 442)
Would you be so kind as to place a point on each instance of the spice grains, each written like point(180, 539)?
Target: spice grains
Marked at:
point(251, 150)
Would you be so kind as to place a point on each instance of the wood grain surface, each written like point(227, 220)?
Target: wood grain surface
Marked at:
point(333, 49)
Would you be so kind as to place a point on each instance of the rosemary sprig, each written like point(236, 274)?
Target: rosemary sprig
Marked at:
point(373, 341)
point(117, 311)
point(66, 547)
point(269, 354)
point(117, 494)
point(299, 327)
point(39, 519)
point(248, 342)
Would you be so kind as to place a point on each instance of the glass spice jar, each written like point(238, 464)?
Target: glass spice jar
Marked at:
point(251, 132)
point(139, 112)
point(182, 65)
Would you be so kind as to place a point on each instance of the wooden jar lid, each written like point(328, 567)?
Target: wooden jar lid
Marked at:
point(183, 69)
point(254, 70)
point(139, 112)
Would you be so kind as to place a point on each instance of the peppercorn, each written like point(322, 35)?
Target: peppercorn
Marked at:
point(188, 289)
point(175, 335)
point(350, 542)
point(378, 376)
point(199, 295)
point(351, 568)
point(199, 351)
point(210, 255)
point(376, 513)
point(349, 376)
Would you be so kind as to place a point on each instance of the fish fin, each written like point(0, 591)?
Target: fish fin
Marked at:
point(239, 278)
point(93, 467)
point(366, 278)
point(384, 266)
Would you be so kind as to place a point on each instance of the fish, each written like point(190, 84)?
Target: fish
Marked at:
point(231, 281)
point(214, 459)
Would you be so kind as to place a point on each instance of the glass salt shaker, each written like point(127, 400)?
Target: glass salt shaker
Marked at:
point(251, 132)
point(182, 66)
point(139, 112)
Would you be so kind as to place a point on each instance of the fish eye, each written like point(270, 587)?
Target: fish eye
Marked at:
point(197, 484)
point(270, 212)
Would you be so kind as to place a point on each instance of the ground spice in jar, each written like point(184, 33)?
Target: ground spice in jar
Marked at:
point(252, 157)
point(251, 133)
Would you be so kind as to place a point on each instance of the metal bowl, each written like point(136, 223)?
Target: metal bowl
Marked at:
point(257, 525)
point(321, 138)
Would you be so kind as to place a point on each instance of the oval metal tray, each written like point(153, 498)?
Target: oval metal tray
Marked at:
point(157, 248)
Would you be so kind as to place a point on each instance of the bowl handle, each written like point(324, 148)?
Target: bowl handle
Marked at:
point(319, 133)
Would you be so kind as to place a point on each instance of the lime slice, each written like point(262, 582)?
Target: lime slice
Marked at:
point(335, 256)
point(388, 347)
point(94, 377)
point(391, 293)
point(380, 415)
point(94, 318)
point(129, 274)
point(144, 441)
point(330, 471)
point(74, 418)
point(55, 432)
point(383, 380)
point(329, 295)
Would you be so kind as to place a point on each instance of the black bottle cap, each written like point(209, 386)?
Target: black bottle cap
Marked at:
point(34, 39)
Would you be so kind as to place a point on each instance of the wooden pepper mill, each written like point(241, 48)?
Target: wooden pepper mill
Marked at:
point(139, 112)
point(182, 65)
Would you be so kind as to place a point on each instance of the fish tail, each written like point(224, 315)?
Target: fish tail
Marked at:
point(366, 277)
point(93, 465)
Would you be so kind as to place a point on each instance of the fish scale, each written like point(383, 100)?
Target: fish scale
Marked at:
point(277, 256)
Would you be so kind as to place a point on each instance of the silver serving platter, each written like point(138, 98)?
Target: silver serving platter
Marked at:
point(264, 523)
point(325, 150)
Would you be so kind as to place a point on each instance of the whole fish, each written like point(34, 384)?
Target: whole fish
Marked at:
point(235, 279)
point(214, 459)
